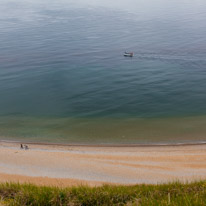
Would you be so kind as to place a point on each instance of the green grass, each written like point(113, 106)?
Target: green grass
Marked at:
point(165, 194)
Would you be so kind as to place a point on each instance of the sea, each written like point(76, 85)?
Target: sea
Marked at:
point(64, 79)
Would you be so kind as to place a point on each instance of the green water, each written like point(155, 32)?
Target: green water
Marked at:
point(63, 76)
point(104, 130)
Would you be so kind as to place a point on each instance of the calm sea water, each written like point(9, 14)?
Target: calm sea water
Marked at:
point(63, 77)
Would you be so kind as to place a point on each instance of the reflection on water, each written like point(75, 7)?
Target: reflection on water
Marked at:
point(63, 76)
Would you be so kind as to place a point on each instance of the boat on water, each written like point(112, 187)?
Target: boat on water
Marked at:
point(128, 54)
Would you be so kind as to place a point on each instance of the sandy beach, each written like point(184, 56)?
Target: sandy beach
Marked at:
point(60, 165)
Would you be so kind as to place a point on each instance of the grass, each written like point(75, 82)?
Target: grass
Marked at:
point(165, 194)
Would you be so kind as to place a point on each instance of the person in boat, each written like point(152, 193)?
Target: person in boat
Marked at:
point(130, 54)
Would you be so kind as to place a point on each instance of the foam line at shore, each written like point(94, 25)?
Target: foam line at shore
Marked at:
point(106, 145)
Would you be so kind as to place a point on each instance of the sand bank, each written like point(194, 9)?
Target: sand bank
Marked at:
point(74, 165)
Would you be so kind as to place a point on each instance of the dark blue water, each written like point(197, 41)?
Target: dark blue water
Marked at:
point(63, 77)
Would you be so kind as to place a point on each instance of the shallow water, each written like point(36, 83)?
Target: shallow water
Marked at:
point(63, 77)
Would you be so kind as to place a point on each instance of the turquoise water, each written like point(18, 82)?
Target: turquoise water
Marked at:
point(63, 77)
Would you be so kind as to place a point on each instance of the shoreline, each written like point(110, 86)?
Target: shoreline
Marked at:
point(72, 165)
point(105, 145)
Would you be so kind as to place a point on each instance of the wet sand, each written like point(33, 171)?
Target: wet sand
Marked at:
point(60, 165)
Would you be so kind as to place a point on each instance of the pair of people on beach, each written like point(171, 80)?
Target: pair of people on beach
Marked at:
point(24, 147)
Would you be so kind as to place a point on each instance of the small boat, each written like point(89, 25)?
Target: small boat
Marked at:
point(128, 54)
